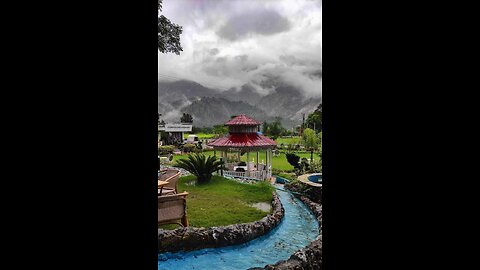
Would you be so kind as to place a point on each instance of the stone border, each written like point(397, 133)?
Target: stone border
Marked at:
point(189, 238)
point(308, 258)
point(304, 179)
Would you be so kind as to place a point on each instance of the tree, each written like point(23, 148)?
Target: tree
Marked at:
point(310, 140)
point(186, 118)
point(220, 129)
point(201, 166)
point(168, 34)
point(265, 127)
point(293, 159)
point(314, 120)
point(275, 129)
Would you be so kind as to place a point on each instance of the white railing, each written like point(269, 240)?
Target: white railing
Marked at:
point(258, 175)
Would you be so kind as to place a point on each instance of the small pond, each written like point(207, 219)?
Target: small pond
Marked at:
point(315, 178)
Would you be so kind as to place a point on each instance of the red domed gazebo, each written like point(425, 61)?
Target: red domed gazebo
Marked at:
point(244, 137)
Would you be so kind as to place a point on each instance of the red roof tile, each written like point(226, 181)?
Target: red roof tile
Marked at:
point(243, 140)
point(242, 119)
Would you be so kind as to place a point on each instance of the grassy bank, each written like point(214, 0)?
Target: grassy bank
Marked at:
point(222, 201)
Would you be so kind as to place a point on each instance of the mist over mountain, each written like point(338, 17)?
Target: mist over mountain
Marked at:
point(212, 106)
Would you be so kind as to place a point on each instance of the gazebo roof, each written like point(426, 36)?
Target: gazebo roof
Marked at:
point(242, 120)
point(243, 140)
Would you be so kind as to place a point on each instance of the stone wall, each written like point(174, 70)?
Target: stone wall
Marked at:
point(190, 238)
point(308, 258)
point(313, 193)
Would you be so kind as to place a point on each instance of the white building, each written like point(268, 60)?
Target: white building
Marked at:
point(174, 132)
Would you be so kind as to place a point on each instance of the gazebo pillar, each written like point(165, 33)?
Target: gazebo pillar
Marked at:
point(266, 163)
point(257, 160)
point(270, 165)
point(248, 160)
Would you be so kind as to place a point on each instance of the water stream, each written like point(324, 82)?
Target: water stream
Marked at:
point(298, 228)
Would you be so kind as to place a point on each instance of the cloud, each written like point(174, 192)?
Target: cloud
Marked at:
point(236, 42)
point(264, 22)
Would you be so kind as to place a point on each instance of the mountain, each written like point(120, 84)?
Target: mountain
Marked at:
point(209, 111)
point(211, 107)
point(182, 90)
point(246, 94)
point(288, 102)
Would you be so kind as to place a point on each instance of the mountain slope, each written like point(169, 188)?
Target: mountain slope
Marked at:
point(210, 107)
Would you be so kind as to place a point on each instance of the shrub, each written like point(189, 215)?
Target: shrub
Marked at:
point(165, 150)
point(201, 166)
point(189, 147)
point(304, 166)
point(315, 167)
point(293, 159)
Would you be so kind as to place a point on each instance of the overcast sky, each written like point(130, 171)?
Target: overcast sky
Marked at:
point(228, 43)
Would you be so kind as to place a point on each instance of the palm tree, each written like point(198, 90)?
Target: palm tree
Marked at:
point(201, 166)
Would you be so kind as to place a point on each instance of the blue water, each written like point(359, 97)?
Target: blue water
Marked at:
point(281, 180)
point(316, 178)
point(297, 229)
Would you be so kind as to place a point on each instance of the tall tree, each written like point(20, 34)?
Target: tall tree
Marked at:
point(275, 129)
point(314, 120)
point(220, 129)
point(310, 140)
point(168, 34)
point(265, 127)
point(186, 118)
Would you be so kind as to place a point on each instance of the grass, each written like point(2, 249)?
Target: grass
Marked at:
point(290, 177)
point(222, 201)
point(293, 140)
point(278, 162)
point(200, 135)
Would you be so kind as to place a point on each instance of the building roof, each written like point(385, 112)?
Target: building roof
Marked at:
point(242, 120)
point(243, 140)
point(175, 127)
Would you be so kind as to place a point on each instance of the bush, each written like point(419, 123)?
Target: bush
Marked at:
point(201, 166)
point(188, 147)
point(304, 166)
point(315, 167)
point(293, 159)
point(165, 150)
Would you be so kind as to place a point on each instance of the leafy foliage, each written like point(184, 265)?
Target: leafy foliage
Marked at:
point(310, 140)
point(186, 118)
point(220, 129)
point(293, 159)
point(314, 120)
point(274, 129)
point(315, 167)
point(165, 149)
point(189, 147)
point(168, 34)
point(303, 166)
point(201, 166)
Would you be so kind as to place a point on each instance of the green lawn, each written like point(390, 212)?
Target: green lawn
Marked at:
point(222, 201)
point(200, 135)
point(293, 140)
